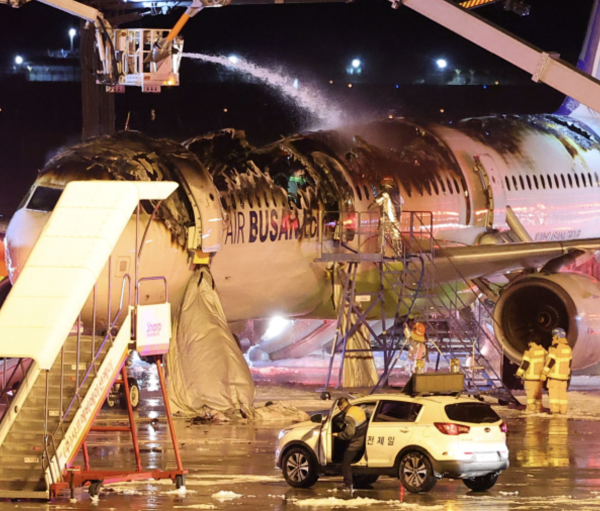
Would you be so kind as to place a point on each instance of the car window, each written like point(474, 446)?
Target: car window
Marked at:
point(397, 411)
point(368, 408)
point(474, 413)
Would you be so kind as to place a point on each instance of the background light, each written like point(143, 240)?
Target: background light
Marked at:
point(356, 63)
point(441, 63)
point(72, 32)
point(277, 325)
point(234, 59)
point(18, 60)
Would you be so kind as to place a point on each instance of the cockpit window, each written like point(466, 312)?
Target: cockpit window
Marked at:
point(44, 198)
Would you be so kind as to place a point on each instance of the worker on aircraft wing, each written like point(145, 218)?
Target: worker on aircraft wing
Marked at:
point(390, 203)
point(530, 370)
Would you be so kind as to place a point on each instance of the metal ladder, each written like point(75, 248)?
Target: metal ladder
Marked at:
point(407, 278)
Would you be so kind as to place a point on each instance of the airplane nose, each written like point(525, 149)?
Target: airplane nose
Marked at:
point(23, 231)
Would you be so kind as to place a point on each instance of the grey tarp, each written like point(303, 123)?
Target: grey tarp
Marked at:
point(205, 365)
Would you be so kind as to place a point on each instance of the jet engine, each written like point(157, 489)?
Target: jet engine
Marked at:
point(532, 307)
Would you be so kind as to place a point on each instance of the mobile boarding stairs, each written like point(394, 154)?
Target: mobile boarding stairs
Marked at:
point(53, 382)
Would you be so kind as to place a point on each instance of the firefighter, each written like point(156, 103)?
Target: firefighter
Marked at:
point(530, 370)
point(417, 347)
point(354, 432)
point(558, 371)
point(390, 202)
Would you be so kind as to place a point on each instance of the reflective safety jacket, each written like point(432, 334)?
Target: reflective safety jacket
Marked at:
point(355, 423)
point(532, 364)
point(558, 362)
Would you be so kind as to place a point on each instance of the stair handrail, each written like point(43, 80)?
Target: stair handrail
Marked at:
point(4, 394)
point(126, 278)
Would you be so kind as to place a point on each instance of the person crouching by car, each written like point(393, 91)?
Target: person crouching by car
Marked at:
point(354, 431)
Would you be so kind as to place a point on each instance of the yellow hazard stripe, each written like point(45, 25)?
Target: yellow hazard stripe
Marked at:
point(475, 3)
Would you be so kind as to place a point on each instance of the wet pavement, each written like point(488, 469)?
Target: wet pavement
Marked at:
point(555, 464)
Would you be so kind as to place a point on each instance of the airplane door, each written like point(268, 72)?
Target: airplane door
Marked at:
point(390, 431)
point(493, 190)
point(207, 233)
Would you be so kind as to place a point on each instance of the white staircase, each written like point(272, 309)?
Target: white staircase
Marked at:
point(66, 377)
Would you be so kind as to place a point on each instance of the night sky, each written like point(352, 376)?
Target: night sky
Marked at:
point(314, 42)
point(317, 38)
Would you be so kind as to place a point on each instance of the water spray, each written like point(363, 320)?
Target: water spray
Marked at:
point(304, 96)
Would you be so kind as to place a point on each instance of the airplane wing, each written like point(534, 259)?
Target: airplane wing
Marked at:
point(486, 260)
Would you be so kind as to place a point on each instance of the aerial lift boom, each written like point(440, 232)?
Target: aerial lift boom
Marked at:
point(124, 54)
point(545, 67)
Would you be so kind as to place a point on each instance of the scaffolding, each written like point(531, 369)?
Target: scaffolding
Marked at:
point(389, 276)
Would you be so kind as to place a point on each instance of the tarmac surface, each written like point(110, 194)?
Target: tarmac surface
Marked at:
point(555, 464)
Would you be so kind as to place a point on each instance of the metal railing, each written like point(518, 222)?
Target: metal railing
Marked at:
point(372, 235)
point(14, 371)
point(49, 437)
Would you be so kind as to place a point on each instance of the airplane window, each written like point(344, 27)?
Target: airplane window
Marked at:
point(232, 199)
point(442, 186)
point(556, 181)
point(435, 186)
point(44, 198)
point(456, 186)
point(570, 180)
point(583, 180)
point(590, 179)
point(224, 204)
point(549, 181)
point(597, 180)
point(576, 180)
point(367, 193)
point(374, 191)
point(266, 199)
point(257, 198)
point(449, 185)
point(515, 185)
point(535, 182)
point(522, 182)
point(274, 200)
point(528, 182)
point(564, 182)
point(543, 181)
point(507, 183)
point(358, 192)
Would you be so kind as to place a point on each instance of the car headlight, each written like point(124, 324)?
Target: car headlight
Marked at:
point(283, 432)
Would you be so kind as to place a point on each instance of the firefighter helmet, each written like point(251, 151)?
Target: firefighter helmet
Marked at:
point(560, 333)
point(418, 332)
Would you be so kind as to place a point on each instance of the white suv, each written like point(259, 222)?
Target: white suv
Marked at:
point(417, 439)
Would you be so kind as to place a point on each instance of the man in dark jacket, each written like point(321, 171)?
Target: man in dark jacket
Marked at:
point(354, 431)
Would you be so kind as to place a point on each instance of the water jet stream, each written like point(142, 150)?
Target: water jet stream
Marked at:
point(306, 97)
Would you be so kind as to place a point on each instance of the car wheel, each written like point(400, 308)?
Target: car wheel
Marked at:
point(481, 483)
point(299, 468)
point(134, 394)
point(416, 474)
point(362, 480)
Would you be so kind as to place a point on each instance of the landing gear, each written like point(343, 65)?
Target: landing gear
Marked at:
point(179, 481)
point(325, 396)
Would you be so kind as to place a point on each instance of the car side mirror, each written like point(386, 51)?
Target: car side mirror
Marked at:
point(317, 418)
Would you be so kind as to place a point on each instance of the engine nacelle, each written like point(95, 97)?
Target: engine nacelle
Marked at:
point(532, 307)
